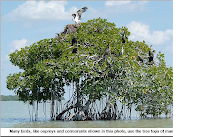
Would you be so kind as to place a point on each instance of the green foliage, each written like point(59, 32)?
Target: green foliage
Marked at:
point(15, 98)
point(49, 65)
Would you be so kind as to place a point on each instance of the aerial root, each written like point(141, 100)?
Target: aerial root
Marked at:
point(89, 112)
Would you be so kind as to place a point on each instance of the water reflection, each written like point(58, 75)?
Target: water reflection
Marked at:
point(136, 123)
point(18, 117)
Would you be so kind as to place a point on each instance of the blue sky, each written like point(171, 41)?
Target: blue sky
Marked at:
point(26, 22)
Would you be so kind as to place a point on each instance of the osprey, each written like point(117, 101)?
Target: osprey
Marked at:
point(77, 17)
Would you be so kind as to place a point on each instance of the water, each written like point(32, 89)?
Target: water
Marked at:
point(15, 114)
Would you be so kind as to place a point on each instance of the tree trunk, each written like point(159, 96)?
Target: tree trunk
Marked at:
point(78, 96)
point(115, 111)
point(59, 117)
point(52, 105)
point(84, 109)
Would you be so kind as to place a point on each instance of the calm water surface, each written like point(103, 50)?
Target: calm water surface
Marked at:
point(15, 114)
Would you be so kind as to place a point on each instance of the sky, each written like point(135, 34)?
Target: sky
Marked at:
point(26, 22)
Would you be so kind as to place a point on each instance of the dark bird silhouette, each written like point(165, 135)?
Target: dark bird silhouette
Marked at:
point(107, 50)
point(75, 50)
point(151, 51)
point(150, 58)
point(123, 37)
point(151, 54)
point(74, 41)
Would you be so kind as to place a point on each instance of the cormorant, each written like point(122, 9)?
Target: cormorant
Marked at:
point(74, 41)
point(151, 51)
point(151, 54)
point(123, 37)
point(74, 50)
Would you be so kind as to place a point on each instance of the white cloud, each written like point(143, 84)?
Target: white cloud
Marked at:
point(18, 44)
point(40, 10)
point(95, 13)
point(112, 3)
point(142, 32)
point(55, 10)
point(5, 59)
point(115, 7)
point(162, 40)
point(169, 48)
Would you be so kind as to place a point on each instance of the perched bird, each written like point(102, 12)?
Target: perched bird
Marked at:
point(74, 41)
point(139, 57)
point(151, 54)
point(58, 35)
point(150, 58)
point(123, 37)
point(122, 51)
point(107, 50)
point(151, 51)
point(74, 50)
point(77, 17)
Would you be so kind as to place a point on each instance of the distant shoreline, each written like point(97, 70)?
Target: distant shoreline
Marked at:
point(14, 98)
point(9, 98)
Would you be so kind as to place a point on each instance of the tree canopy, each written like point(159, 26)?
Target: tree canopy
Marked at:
point(50, 64)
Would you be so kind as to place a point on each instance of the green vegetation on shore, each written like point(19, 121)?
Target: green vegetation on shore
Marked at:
point(14, 98)
point(9, 98)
